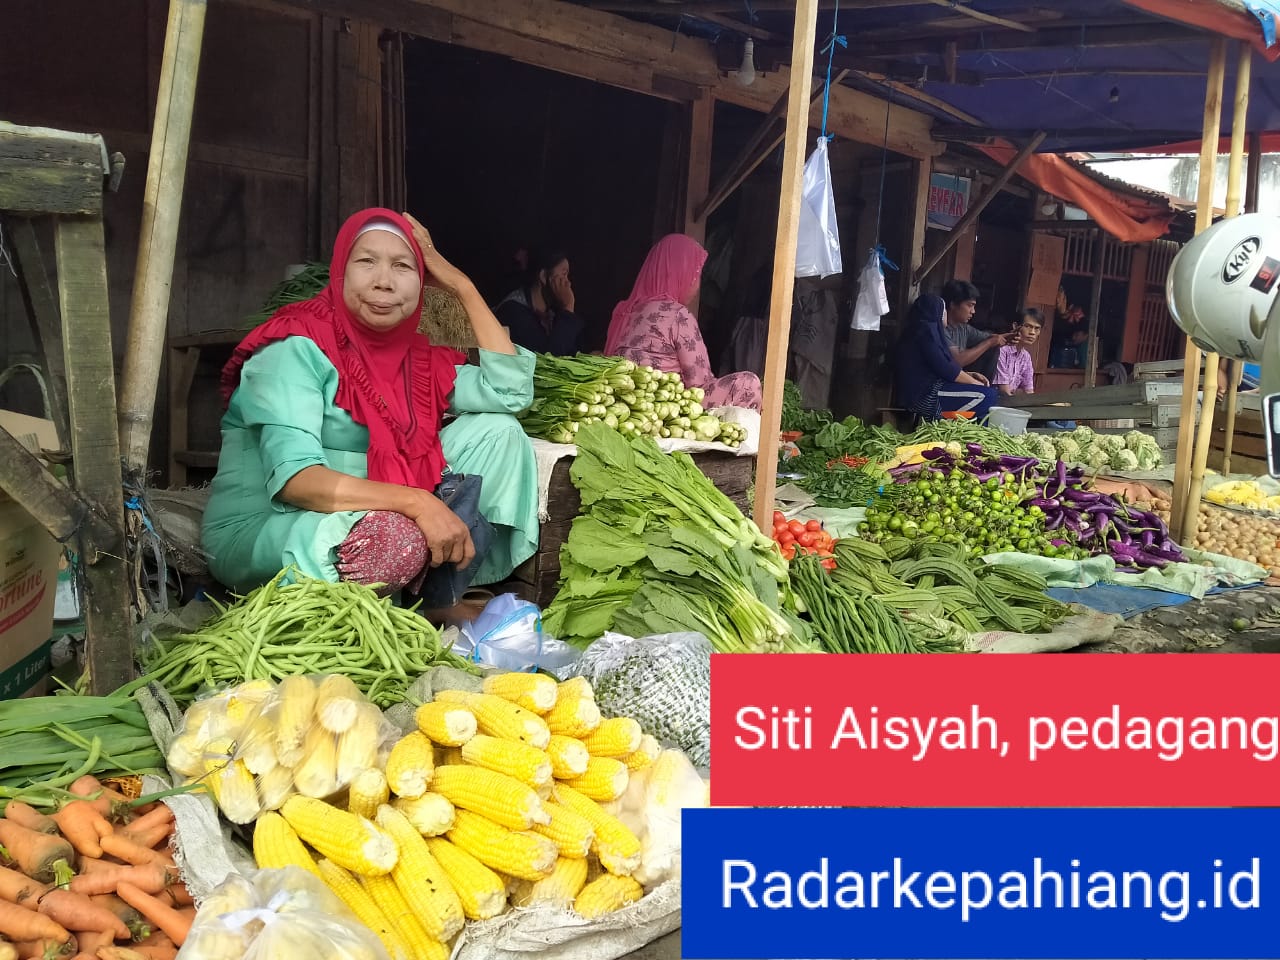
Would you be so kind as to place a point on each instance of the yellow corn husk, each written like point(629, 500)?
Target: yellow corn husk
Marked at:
point(317, 775)
point(421, 879)
point(504, 800)
point(186, 754)
point(233, 789)
point(368, 792)
point(430, 814)
point(410, 767)
point(483, 893)
point(448, 724)
point(338, 702)
point(449, 755)
point(349, 841)
point(605, 779)
point(348, 889)
point(295, 716)
point(560, 888)
point(568, 755)
point(573, 716)
point(384, 892)
point(276, 845)
point(527, 764)
point(571, 832)
point(535, 692)
point(256, 745)
point(501, 718)
point(517, 853)
point(617, 848)
point(606, 894)
point(644, 755)
point(615, 737)
point(245, 700)
point(276, 787)
point(358, 745)
point(575, 687)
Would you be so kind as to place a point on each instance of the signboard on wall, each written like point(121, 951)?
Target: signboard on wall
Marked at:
point(1047, 252)
point(948, 199)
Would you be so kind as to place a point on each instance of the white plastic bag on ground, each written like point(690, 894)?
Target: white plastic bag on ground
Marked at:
point(818, 242)
point(873, 301)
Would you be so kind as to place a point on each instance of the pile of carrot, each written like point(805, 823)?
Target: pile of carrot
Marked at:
point(93, 880)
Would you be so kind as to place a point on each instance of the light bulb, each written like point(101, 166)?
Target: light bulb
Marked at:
point(747, 72)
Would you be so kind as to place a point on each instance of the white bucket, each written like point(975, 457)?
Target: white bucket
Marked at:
point(1009, 420)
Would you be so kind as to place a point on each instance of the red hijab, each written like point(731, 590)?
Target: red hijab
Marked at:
point(395, 383)
point(669, 273)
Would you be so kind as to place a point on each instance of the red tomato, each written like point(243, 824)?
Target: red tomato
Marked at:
point(796, 527)
point(779, 517)
point(789, 552)
point(805, 539)
point(813, 526)
point(828, 564)
point(786, 537)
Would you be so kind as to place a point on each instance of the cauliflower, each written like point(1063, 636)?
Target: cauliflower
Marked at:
point(1135, 439)
point(1098, 459)
point(1124, 460)
point(1149, 458)
point(1109, 443)
point(1083, 435)
point(1067, 449)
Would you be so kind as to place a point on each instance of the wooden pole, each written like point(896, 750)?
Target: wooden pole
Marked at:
point(1239, 124)
point(971, 215)
point(1095, 305)
point(161, 211)
point(1211, 131)
point(784, 255)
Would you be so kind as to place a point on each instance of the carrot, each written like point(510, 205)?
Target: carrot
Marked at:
point(8, 951)
point(119, 953)
point(160, 815)
point(38, 855)
point(149, 837)
point(170, 921)
point(131, 918)
point(16, 888)
point(157, 947)
point(122, 848)
point(152, 878)
point(18, 923)
point(88, 942)
point(84, 826)
point(179, 895)
point(75, 911)
point(25, 815)
point(46, 949)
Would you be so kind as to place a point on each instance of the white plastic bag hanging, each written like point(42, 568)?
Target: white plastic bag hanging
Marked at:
point(873, 301)
point(818, 244)
point(508, 634)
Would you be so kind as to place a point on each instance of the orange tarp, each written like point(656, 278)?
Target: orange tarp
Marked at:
point(1128, 219)
point(1270, 144)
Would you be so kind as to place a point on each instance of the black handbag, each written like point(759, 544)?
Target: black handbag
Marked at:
point(444, 585)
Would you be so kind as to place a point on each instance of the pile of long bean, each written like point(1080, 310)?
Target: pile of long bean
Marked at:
point(304, 627)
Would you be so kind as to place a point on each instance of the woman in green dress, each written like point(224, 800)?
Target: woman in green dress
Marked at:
point(334, 437)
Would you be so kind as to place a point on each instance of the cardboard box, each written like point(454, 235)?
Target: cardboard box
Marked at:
point(29, 559)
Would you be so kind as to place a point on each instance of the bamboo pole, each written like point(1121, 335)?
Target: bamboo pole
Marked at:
point(1209, 135)
point(161, 211)
point(784, 256)
point(1239, 124)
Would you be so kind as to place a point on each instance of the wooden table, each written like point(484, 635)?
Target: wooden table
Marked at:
point(536, 579)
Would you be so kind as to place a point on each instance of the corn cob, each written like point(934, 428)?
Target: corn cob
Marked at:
point(276, 845)
point(233, 789)
point(504, 800)
point(275, 787)
point(615, 737)
point(448, 724)
point(421, 879)
point(575, 687)
point(516, 853)
point(358, 745)
point(571, 832)
point(317, 775)
point(561, 887)
point(573, 716)
point(410, 766)
point(644, 755)
point(349, 841)
point(568, 755)
point(384, 892)
point(445, 756)
point(294, 717)
point(368, 792)
point(617, 848)
point(483, 893)
point(594, 870)
point(338, 702)
point(606, 894)
point(519, 760)
point(357, 899)
point(535, 692)
point(605, 779)
point(256, 746)
point(430, 814)
point(501, 718)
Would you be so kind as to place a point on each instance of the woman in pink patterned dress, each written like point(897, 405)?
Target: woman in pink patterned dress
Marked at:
point(654, 327)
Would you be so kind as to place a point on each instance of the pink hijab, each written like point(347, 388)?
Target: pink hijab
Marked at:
point(669, 273)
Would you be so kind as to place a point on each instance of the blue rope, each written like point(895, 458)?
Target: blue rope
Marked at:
point(830, 51)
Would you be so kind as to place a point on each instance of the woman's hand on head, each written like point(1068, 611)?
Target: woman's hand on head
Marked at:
point(448, 539)
point(449, 277)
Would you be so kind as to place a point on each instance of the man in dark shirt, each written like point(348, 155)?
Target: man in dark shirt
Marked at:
point(540, 314)
point(974, 350)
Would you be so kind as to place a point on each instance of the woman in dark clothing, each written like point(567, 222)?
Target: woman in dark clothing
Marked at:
point(929, 379)
point(539, 314)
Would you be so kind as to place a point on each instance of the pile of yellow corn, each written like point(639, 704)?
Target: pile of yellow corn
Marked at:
point(499, 798)
point(258, 744)
point(1243, 493)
